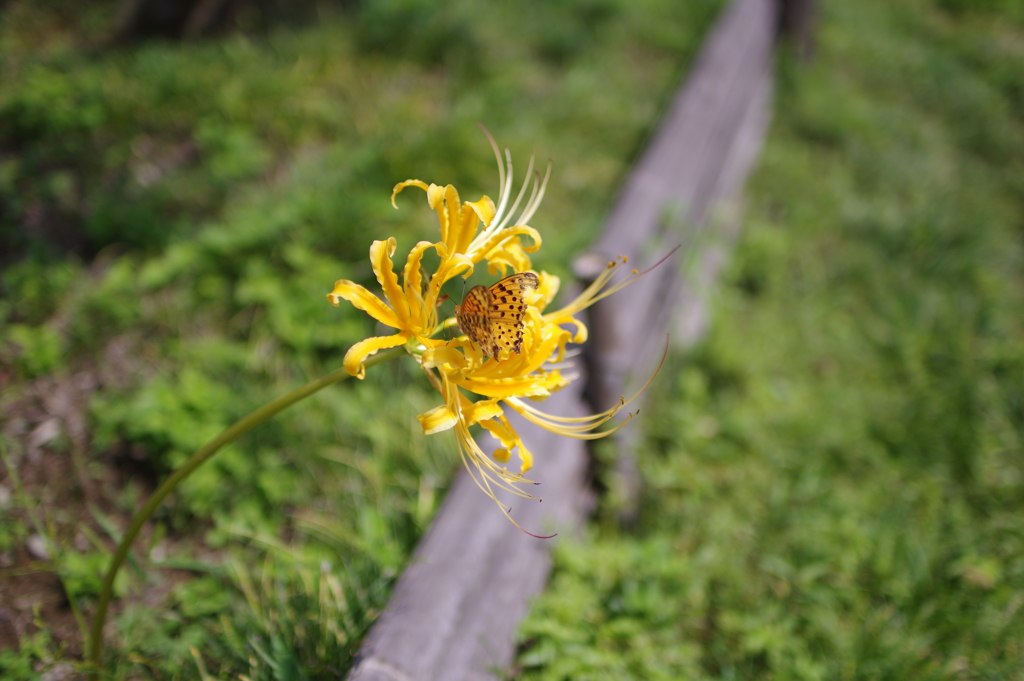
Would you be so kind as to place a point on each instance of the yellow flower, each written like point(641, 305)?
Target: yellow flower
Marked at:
point(411, 308)
point(458, 368)
point(533, 373)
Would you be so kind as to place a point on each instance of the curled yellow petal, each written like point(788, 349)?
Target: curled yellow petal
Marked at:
point(465, 227)
point(525, 458)
point(383, 268)
point(559, 318)
point(435, 198)
point(445, 202)
point(422, 309)
point(483, 410)
point(484, 209)
point(411, 274)
point(502, 239)
point(509, 255)
point(438, 419)
point(547, 288)
point(356, 354)
point(436, 357)
point(525, 386)
point(502, 431)
point(457, 264)
point(363, 299)
point(402, 185)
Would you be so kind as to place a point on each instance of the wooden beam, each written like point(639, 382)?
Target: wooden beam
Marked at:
point(694, 164)
point(684, 191)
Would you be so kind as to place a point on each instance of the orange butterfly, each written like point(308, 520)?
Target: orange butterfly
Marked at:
point(493, 317)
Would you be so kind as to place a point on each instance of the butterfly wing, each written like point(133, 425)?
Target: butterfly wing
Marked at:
point(507, 310)
point(493, 317)
point(473, 317)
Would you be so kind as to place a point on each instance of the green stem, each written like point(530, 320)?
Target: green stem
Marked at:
point(200, 457)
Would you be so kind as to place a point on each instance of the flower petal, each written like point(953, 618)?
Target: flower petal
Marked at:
point(362, 299)
point(484, 209)
point(547, 289)
point(560, 317)
point(509, 255)
point(423, 312)
point(525, 458)
point(402, 185)
point(502, 431)
point(458, 264)
point(436, 357)
point(383, 268)
point(353, 362)
point(438, 419)
point(483, 410)
point(469, 217)
point(500, 239)
point(445, 201)
point(519, 386)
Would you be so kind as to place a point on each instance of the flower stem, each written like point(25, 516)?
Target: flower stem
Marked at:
point(197, 459)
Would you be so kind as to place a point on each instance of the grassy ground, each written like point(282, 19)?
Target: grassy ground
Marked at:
point(834, 477)
point(171, 217)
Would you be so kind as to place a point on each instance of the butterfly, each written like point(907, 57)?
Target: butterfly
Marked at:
point(493, 317)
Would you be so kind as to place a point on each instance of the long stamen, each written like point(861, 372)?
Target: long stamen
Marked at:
point(535, 198)
point(484, 484)
point(578, 433)
point(594, 292)
point(502, 186)
point(512, 211)
point(556, 425)
point(490, 472)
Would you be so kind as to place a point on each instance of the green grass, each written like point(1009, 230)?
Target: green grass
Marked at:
point(834, 476)
point(171, 218)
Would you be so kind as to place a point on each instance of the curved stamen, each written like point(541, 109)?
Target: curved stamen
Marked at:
point(502, 186)
point(536, 197)
point(522, 191)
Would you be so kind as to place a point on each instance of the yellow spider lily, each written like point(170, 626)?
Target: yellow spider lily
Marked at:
point(458, 368)
point(411, 309)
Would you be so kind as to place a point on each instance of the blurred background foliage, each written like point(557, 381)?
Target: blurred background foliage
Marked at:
point(172, 213)
point(836, 475)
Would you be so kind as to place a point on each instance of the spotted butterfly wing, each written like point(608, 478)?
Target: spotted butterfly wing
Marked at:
point(493, 317)
point(473, 317)
point(508, 308)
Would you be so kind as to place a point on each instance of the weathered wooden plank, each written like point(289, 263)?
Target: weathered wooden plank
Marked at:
point(684, 294)
point(697, 161)
point(691, 295)
point(454, 611)
point(683, 157)
point(686, 193)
